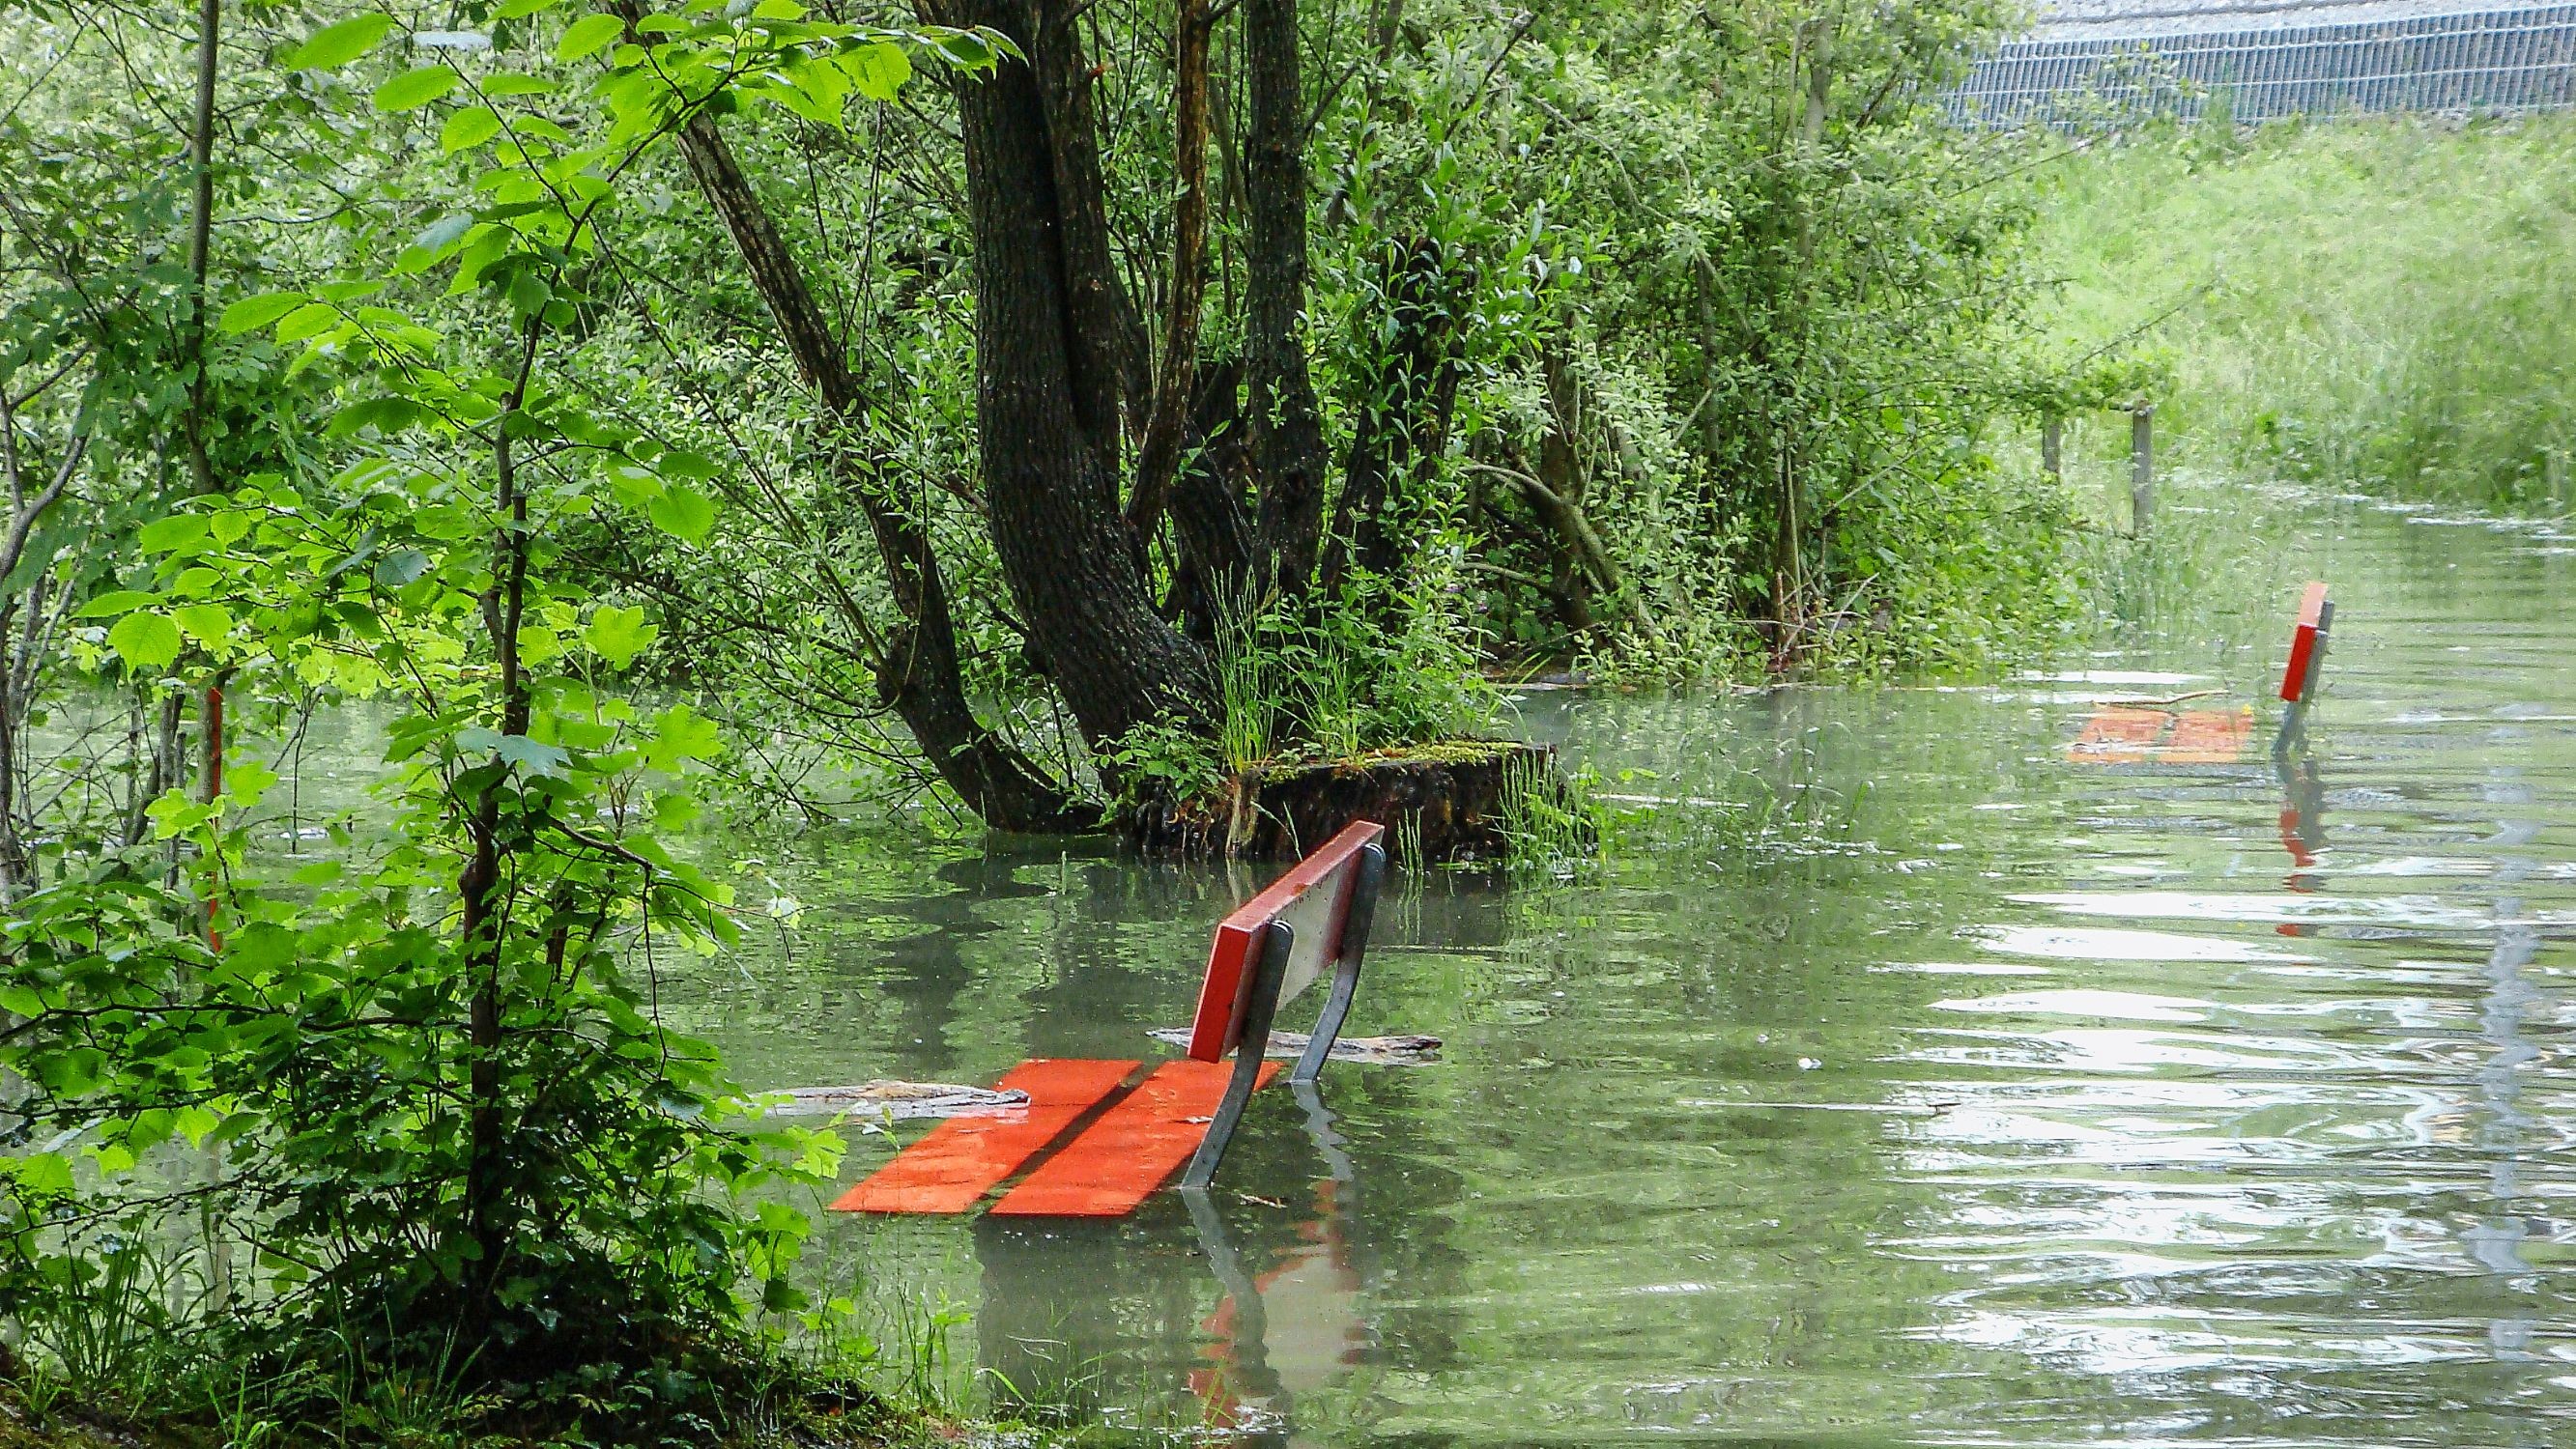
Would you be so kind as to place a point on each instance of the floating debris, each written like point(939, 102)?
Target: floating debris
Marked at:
point(902, 1101)
point(1400, 1050)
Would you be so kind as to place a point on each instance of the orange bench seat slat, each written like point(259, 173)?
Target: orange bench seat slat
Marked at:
point(951, 1168)
point(2119, 735)
point(2209, 737)
point(1120, 1159)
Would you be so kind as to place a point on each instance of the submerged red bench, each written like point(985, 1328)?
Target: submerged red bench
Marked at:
point(1311, 922)
point(2156, 734)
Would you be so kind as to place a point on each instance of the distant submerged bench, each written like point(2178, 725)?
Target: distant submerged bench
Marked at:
point(2155, 734)
point(1312, 922)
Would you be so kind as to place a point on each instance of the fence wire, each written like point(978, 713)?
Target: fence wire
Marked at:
point(2479, 61)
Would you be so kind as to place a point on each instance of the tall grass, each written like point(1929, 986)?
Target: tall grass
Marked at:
point(2380, 304)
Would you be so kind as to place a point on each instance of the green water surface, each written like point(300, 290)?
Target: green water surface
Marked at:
point(1898, 1079)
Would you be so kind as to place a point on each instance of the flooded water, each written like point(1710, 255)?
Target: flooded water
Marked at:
point(1898, 1079)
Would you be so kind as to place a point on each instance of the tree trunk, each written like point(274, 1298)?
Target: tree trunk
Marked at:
point(13, 855)
point(1072, 563)
point(1286, 426)
point(1211, 528)
point(1106, 336)
point(919, 677)
point(201, 223)
point(480, 891)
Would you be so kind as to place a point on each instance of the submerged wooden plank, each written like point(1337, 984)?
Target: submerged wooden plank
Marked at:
point(1118, 1162)
point(960, 1160)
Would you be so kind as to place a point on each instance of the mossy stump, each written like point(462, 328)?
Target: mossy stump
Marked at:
point(1453, 800)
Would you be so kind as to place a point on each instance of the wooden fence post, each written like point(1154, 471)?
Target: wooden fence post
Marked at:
point(2051, 434)
point(2142, 467)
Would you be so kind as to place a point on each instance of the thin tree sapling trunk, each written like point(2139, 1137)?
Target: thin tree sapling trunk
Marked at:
point(1158, 458)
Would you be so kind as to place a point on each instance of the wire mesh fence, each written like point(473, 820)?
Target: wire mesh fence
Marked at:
point(2475, 61)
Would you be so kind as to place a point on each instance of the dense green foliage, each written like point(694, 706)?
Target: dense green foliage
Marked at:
point(1764, 417)
point(655, 406)
point(439, 1146)
point(2366, 303)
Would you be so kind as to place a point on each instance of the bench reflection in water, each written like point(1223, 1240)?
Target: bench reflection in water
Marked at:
point(1080, 1314)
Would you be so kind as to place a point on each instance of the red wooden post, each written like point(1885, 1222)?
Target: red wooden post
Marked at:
point(214, 789)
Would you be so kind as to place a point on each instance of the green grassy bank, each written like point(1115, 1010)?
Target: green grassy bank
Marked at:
point(2372, 303)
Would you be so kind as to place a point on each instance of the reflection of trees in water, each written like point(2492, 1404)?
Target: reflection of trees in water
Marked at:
point(2507, 1131)
point(924, 973)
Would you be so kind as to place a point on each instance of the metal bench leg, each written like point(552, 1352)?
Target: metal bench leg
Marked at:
point(1346, 976)
point(2294, 720)
point(1278, 939)
point(2294, 728)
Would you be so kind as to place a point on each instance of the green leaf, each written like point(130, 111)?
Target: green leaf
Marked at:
point(816, 90)
point(387, 415)
point(435, 240)
point(529, 293)
point(618, 635)
point(44, 1172)
point(415, 88)
point(530, 756)
point(681, 463)
point(587, 35)
point(206, 623)
point(252, 313)
point(635, 484)
point(878, 70)
point(174, 533)
point(401, 566)
point(335, 45)
point(469, 127)
point(673, 811)
point(194, 1122)
point(311, 319)
point(681, 734)
point(682, 512)
point(122, 601)
point(966, 50)
point(145, 641)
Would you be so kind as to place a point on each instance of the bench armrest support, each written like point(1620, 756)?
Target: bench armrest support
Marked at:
point(1278, 938)
point(1346, 974)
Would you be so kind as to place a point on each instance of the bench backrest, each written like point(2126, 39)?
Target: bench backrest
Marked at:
point(1313, 900)
point(2307, 644)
